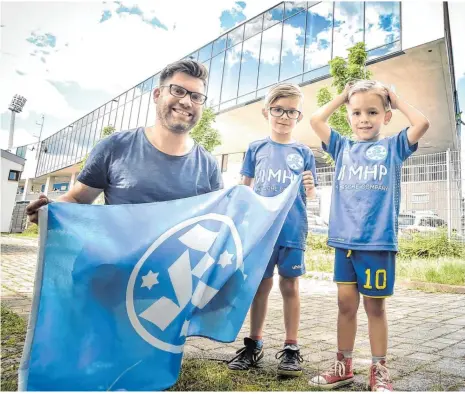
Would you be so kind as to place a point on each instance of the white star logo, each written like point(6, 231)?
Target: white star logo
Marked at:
point(225, 259)
point(149, 280)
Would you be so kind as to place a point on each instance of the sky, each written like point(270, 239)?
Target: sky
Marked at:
point(68, 58)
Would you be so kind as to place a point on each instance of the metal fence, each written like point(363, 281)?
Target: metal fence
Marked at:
point(433, 195)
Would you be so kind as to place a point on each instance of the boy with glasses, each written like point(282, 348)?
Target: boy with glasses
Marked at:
point(271, 164)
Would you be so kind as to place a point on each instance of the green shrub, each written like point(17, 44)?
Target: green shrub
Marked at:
point(318, 242)
point(430, 246)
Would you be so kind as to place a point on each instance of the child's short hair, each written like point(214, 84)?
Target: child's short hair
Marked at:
point(365, 85)
point(283, 90)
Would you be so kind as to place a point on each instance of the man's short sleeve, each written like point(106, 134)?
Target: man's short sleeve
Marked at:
point(248, 166)
point(336, 142)
point(310, 165)
point(95, 171)
point(216, 179)
point(401, 145)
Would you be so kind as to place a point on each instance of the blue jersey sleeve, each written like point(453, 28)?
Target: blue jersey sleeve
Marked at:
point(248, 166)
point(95, 171)
point(310, 165)
point(216, 180)
point(401, 145)
point(336, 142)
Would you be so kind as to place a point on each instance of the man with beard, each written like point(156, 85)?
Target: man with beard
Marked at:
point(158, 163)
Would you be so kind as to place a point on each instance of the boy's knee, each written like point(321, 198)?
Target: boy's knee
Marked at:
point(347, 306)
point(289, 286)
point(265, 287)
point(374, 307)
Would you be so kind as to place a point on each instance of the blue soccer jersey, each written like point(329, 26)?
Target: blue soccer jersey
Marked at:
point(273, 166)
point(366, 191)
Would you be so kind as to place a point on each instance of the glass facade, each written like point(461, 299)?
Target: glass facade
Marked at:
point(293, 41)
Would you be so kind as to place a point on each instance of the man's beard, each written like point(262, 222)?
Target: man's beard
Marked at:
point(164, 113)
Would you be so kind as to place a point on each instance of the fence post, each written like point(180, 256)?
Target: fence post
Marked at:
point(449, 214)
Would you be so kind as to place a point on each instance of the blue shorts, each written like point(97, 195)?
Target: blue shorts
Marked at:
point(290, 262)
point(372, 271)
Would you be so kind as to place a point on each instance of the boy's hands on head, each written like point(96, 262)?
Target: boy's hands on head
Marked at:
point(393, 99)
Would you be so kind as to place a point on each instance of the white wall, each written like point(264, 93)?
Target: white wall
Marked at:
point(9, 189)
point(422, 22)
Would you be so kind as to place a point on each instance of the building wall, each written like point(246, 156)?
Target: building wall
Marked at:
point(8, 193)
point(291, 42)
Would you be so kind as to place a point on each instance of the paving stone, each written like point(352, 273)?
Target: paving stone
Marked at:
point(426, 339)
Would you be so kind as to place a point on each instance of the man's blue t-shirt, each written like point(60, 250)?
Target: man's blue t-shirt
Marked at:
point(273, 166)
point(130, 170)
point(366, 191)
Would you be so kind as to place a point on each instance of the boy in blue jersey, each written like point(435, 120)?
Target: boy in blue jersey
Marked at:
point(271, 164)
point(363, 220)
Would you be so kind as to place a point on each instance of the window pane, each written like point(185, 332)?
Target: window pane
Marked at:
point(147, 85)
point(127, 114)
point(130, 95)
point(134, 122)
point(145, 102)
point(119, 118)
point(348, 26)
point(292, 54)
point(207, 66)
point(253, 27)
point(219, 45)
point(92, 137)
point(383, 51)
point(138, 90)
point(214, 83)
point(246, 98)
point(100, 126)
point(151, 115)
point(273, 16)
point(317, 73)
point(319, 32)
point(293, 7)
point(382, 23)
point(231, 73)
point(121, 99)
point(269, 58)
point(112, 120)
point(205, 52)
point(249, 66)
point(156, 81)
point(235, 36)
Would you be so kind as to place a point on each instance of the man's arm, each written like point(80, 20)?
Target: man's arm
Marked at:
point(78, 194)
point(419, 122)
point(247, 181)
point(319, 120)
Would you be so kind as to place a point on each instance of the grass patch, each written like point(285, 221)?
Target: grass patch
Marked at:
point(207, 375)
point(31, 232)
point(12, 339)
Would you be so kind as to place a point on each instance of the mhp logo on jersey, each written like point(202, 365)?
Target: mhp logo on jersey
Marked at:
point(120, 288)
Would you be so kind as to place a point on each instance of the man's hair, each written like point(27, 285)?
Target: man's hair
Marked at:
point(365, 85)
point(189, 67)
point(283, 90)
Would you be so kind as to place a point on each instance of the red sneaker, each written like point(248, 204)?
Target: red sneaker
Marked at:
point(339, 374)
point(379, 378)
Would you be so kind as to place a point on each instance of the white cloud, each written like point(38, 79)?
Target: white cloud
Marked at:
point(110, 57)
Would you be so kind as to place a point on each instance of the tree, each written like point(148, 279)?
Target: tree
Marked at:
point(344, 71)
point(204, 133)
point(106, 131)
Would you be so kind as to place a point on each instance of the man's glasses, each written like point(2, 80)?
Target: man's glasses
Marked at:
point(278, 111)
point(179, 91)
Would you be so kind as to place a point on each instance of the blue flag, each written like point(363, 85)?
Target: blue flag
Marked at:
point(119, 288)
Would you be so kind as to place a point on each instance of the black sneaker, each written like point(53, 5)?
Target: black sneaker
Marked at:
point(247, 357)
point(290, 361)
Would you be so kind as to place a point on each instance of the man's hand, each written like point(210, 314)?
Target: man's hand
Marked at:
point(308, 181)
point(32, 208)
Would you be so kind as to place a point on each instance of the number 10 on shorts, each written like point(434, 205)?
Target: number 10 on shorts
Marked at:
point(380, 279)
